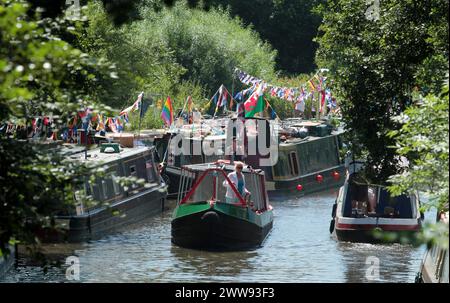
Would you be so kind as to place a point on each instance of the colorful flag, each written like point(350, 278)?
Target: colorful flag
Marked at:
point(136, 105)
point(240, 110)
point(112, 125)
point(322, 101)
point(255, 103)
point(167, 112)
point(189, 104)
point(311, 85)
point(222, 96)
point(101, 123)
point(239, 96)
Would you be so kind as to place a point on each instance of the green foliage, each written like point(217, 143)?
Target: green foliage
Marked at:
point(288, 25)
point(209, 45)
point(40, 75)
point(424, 137)
point(377, 63)
point(173, 52)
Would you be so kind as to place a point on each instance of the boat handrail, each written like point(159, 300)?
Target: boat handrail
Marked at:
point(200, 179)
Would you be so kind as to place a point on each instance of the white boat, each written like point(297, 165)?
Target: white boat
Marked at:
point(361, 209)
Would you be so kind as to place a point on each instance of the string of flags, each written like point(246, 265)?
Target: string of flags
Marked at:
point(88, 120)
point(314, 88)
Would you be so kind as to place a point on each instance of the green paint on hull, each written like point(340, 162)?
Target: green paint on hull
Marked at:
point(239, 212)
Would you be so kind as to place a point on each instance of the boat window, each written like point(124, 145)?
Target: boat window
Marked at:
point(294, 163)
point(115, 184)
point(394, 207)
point(253, 183)
point(206, 189)
point(103, 189)
point(133, 173)
point(150, 170)
point(88, 188)
point(133, 170)
point(79, 196)
point(215, 186)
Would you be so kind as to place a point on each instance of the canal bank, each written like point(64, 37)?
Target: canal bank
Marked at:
point(299, 249)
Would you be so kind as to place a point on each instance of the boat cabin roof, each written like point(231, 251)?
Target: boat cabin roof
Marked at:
point(95, 155)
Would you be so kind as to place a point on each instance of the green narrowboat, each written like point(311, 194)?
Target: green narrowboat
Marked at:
point(205, 219)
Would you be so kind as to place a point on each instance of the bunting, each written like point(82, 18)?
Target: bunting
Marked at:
point(136, 105)
point(316, 84)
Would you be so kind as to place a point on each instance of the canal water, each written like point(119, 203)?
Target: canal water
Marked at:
point(299, 249)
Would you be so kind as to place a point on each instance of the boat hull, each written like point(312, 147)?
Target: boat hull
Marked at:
point(103, 221)
point(214, 229)
point(366, 233)
point(367, 236)
point(309, 183)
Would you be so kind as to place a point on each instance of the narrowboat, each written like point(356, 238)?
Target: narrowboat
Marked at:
point(306, 154)
point(361, 209)
point(205, 218)
point(306, 157)
point(435, 264)
point(189, 144)
point(115, 205)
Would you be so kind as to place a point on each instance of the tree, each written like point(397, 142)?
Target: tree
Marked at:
point(424, 133)
point(41, 75)
point(174, 51)
point(288, 25)
point(424, 137)
point(377, 62)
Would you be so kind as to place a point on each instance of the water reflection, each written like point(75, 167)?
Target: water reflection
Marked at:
point(221, 265)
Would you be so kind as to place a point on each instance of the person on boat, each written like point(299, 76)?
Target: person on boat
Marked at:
point(237, 178)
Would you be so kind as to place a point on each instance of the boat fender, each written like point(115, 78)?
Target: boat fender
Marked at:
point(333, 212)
point(210, 217)
point(332, 225)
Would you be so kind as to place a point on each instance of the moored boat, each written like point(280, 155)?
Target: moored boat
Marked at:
point(116, 205)
point(362, 209)
point(204, 219)
point(307, 155)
